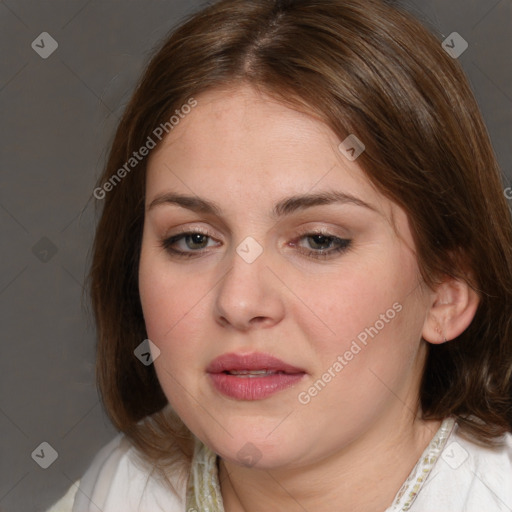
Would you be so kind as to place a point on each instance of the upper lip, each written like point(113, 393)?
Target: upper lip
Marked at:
point(254, 361)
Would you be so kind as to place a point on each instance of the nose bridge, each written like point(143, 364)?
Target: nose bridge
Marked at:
point(246, 291)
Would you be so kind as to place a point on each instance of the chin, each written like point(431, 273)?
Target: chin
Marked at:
point(254, 447)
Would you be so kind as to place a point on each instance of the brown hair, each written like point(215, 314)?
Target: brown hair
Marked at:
point(362, 67)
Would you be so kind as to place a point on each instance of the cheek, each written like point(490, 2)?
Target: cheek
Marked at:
point(167, 304)
point(347, 303)
point(166, 300)
point(372, 317)
point(158, 305)
point(175, 307)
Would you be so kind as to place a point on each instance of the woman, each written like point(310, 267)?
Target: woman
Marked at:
point(302, 274)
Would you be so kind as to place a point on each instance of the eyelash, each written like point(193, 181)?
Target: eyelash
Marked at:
point(344, 244)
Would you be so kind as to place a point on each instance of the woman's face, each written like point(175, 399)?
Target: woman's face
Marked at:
point(326, 287)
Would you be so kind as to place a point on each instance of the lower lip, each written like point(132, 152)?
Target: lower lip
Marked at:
point(253, 388)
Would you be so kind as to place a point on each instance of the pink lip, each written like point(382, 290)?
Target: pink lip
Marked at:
point(257, 387)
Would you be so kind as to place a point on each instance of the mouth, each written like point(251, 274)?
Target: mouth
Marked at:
point(252, 376)
point(252, 373)
point(250, 364)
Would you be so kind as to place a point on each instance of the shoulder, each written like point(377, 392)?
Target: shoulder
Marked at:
point(469, 477)
point(65, 504)
point(118, 479)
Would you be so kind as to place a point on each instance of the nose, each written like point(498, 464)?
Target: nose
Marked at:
point(249, 296)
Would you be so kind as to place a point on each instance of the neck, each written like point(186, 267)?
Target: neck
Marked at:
point(363, 477)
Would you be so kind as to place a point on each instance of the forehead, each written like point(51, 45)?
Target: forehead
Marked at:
point(242, 144)
point(240, 121)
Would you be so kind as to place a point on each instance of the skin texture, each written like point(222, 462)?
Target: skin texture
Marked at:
point(245, 152)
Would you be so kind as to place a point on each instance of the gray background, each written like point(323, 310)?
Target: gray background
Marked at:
point(57, 119)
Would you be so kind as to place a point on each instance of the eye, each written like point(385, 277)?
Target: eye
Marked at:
point(189, 243)
point(193, 243)
point(323, 245)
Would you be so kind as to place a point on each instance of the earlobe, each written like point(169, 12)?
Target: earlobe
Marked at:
point(454, 305)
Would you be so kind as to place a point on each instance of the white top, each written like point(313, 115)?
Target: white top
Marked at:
point(452, 475)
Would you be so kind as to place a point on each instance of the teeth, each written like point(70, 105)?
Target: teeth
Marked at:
point(250, 373)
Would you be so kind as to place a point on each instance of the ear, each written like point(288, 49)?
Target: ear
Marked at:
point(453, 307)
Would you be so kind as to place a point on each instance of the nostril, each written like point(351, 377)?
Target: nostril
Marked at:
point(258, 319)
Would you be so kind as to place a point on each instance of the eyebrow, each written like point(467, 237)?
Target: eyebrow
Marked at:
point(284, 207)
